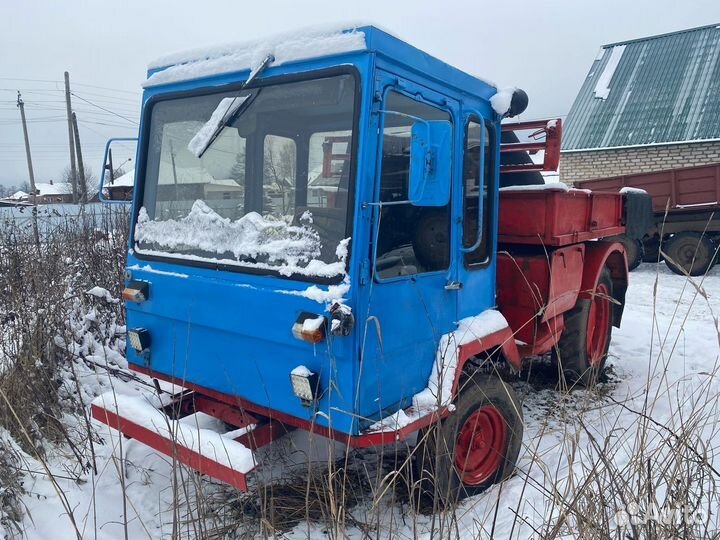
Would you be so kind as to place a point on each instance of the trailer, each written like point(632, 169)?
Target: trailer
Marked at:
point(362, 275)
point(685, 229)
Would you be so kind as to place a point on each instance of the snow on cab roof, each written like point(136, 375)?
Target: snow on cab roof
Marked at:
point(61, 188)
point(287, 47)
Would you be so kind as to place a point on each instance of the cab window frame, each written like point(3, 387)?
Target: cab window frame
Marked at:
point(143, 150)
point(489, 213)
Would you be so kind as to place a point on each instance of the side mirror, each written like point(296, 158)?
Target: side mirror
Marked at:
point(430, 160)
point(117, 175)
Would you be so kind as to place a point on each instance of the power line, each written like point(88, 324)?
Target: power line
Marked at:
point(104, 109)
point(54, 81)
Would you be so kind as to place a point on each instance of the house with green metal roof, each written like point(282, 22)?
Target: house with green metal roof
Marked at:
point(646, 105)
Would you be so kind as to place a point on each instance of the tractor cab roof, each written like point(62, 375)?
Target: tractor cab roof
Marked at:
point(305, 45)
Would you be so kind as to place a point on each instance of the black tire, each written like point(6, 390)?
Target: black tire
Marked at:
point(441, 483)
point(431, 241)
point(690, 253)
point(651, 248)
point(634, 250)
point(571, 352)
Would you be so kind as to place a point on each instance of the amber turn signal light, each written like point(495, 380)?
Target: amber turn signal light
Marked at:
point(136, 291)
point(309, 327)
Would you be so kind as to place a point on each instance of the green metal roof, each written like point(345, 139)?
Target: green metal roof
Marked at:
point(659, 89)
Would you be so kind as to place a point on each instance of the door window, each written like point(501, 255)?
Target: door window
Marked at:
point(411, 239)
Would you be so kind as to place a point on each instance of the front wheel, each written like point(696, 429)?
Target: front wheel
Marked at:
point(634, 250)
point(475, 447)
point(583, 345)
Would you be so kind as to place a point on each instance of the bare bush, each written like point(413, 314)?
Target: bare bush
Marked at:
point(41, 299)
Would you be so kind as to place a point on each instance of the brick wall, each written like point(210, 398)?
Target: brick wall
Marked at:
point(575, 166)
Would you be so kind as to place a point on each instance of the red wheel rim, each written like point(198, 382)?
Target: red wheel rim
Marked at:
point(598, 325)
point(480, 446)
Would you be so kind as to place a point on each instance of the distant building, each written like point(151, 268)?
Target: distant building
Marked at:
point(19, 196)
point(50, 193)
point(647, 104)
point(189, 187)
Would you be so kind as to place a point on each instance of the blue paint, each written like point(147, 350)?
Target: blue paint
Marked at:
point(231, 331)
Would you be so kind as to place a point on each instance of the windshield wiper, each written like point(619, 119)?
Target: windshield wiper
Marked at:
point(226, 112)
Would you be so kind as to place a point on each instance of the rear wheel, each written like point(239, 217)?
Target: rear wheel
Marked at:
point(473, 448)
point(583, 345)
point(690, 253)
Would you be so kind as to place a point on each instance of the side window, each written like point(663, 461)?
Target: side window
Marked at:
point(411, 239)
point(477, 144)
point(279, 173)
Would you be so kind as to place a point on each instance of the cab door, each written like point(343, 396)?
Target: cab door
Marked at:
point(412, 302)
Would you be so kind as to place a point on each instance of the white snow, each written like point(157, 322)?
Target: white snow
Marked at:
point(126, 180)
point(288, 249)
point(310, 325)
point(288, 47)
point(501, 101)
point(629, 189)
point(321, 295)
point(202, 440)
point(148, 268)
point(99, 292)
point(51, 189)
point(333, 293)
point(438, 392)
point(18, 195)
point(301, 371)
point(550, 186)
point(664, 357)
point(602, 86)
point(225, 109)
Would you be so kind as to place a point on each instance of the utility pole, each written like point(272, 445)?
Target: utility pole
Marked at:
point(33, 194)
point(21, 106)
point(68, 107)
point(81, 184)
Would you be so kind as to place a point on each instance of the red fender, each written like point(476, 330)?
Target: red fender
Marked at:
point(505, 339)
point(599, 255)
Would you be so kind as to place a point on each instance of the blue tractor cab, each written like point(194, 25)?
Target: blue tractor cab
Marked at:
point(313, 246)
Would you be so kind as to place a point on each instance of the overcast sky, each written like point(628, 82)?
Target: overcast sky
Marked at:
point(544, 47)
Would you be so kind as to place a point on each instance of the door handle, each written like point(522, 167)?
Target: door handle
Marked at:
point(453, 286)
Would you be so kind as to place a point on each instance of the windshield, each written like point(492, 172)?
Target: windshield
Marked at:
point(269, 192)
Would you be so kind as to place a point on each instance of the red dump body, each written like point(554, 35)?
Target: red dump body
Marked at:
point(537, 286)
point(690, 188)
point(553, 217)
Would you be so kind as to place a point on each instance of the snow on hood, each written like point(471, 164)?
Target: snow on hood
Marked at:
point(288, 47)
point(284, 247)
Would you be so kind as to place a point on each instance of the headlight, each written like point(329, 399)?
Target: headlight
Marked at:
point(305, 384)
point(139, 339)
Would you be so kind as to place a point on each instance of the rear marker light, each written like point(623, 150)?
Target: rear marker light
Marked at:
point(309, 327)
point(139, 339)
point(305, 384)
point(136, 291)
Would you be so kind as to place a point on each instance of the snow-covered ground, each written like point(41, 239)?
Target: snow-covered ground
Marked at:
point(663, 361)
